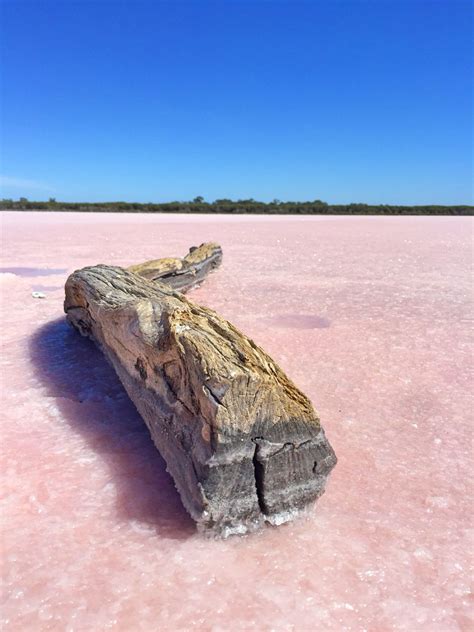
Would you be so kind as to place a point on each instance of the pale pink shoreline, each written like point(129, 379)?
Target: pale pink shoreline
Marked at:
point(72, 217)
point(21, 217)
point(370, 317)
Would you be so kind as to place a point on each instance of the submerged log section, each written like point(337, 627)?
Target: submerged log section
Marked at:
point(242, 443)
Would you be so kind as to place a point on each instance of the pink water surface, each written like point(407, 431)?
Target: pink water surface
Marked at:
point(369, 316)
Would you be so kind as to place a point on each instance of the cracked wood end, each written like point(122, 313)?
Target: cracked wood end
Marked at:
point(182, 274)
point(242, 443)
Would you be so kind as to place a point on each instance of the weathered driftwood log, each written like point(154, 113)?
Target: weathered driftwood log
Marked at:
point(182, 274)
point(242, 443)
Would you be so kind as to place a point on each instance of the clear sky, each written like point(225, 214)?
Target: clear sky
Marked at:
point(344, 101)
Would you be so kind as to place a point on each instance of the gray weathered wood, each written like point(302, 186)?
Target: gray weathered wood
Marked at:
point(182, 274)
point(242, 443)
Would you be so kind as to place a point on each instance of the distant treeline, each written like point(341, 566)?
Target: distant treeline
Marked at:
point(199, 205)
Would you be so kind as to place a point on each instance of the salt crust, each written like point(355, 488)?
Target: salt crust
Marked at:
point(93, 533)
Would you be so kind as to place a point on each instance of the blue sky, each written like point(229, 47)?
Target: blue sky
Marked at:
point(344, 101)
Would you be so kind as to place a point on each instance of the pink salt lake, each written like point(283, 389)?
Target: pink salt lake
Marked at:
point(370, 318)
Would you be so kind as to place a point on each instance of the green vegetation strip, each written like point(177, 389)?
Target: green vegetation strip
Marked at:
point(252, 207)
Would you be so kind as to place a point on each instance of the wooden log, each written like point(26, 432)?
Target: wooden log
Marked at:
point(182, 274)
point(242, 443)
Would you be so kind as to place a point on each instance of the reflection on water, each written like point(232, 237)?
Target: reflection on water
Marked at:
point(34, 272)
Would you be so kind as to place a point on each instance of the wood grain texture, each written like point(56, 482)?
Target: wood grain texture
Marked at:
point(182, 274)
point(242, 443)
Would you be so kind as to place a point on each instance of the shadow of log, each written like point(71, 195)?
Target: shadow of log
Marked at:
point(93, 401)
